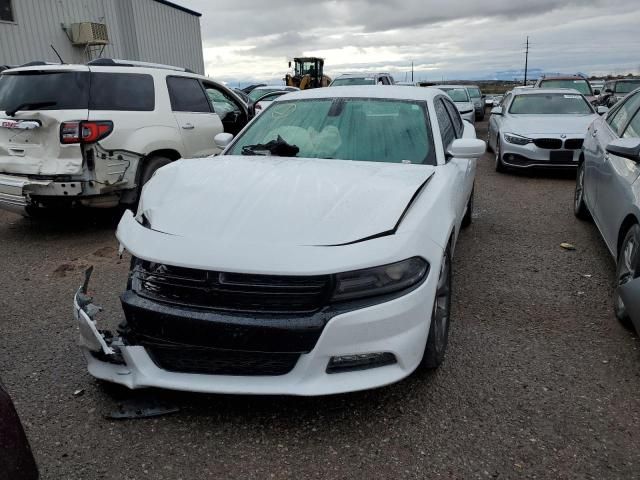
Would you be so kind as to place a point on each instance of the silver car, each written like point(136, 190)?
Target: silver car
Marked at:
point(539, 128)
point(460, 96)
point(477, 98)
point(608, 191)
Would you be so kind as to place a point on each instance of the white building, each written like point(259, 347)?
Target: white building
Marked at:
point(156, 31)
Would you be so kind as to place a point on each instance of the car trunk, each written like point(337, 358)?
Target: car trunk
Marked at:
point(33, 105)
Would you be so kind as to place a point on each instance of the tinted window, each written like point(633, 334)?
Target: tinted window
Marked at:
point(582, 86)
point(259, 92)
point(61, 90)
point(122, 91)
point(618, 121)
point(447, 130)
point(187, 95)
point(360, 129)
point(6, 13)
point(455, 116)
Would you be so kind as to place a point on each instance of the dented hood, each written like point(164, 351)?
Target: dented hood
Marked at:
point(280, 201)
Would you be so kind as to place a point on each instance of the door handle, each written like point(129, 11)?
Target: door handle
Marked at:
point(188, 126)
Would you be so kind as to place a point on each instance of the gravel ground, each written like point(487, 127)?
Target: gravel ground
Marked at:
point(540, 380)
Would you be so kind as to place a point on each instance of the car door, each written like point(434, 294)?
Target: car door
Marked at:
point(457, 167)
point(614, 175)
point(461, 131)
point(229, 109)
point(197, 121)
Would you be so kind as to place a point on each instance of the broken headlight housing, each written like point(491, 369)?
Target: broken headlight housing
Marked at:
point(382, 280)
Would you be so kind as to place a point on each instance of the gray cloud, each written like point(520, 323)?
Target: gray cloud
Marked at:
point(450, 38)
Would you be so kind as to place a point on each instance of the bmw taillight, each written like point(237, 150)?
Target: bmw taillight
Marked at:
point(84, 131)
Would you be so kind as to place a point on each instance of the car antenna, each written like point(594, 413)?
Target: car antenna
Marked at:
point(57, 54)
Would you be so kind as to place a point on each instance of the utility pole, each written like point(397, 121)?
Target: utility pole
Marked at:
point(526, 63)
point(411, 72)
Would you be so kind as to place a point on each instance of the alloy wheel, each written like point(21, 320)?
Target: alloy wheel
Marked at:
point(442, 305)
point(628, 266)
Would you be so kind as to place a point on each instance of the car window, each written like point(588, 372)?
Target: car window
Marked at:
point(455, 116)
point(359, 129)
point(187, 95)
point(474, 92)
point(447, 130)
point(52, 90)
point(505, 101)
point(122, 91)
point(222, 103)
point(580, 85)
point(633, 130)
point(619, 120)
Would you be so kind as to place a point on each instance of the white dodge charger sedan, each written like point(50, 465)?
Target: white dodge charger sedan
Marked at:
point(313, 257)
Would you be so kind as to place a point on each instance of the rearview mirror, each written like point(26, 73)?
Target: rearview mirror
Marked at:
point(222, 140)
point(628, 148)
point(602, 110)
point(596, 92)
point(496, 111)
point(467, 148)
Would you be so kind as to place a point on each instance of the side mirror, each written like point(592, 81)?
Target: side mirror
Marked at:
point(596, 92)
point(496, 111)
point(608, 90)
point(628, 148)
point(222, 140)
point(467, 148)
point(602, 110)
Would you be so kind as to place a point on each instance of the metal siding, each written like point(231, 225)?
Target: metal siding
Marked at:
point(138, 30)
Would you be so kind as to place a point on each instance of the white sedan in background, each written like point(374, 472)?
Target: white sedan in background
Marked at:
point(313, 257)
point(540, 127)
point(460, 95)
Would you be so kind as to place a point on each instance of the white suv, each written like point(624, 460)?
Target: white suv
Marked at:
point(92, 135)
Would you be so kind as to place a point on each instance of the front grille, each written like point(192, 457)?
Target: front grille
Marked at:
point(548, 143)
point(208, 361)
point(573, 143)
point(237, 292)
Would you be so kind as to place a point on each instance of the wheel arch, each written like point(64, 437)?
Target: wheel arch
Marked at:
point(169, 153)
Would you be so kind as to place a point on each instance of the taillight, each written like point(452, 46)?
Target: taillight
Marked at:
point(84, 131)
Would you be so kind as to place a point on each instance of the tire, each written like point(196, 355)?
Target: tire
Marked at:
point(437, 340)
point(580, 208)
point(468, 216)
point(628, 268)
point(500, 168)
point(489, 147)
point(150, 166)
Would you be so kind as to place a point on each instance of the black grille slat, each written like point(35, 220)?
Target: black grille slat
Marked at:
point(548, 143)
point(221, 362)
point(574, 143)
point(231, 291)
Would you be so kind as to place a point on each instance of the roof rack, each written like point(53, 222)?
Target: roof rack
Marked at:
point(37, 63)
point(115, 62)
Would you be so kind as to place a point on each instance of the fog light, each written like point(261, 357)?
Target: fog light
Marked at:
point(362, 361)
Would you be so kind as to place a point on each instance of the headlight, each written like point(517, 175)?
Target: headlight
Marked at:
point(380, 280)
point(517, 139)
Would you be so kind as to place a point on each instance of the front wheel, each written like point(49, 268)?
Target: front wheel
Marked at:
point(628, 269)
point(439, 327)
point(580, 209)
point(500, 168)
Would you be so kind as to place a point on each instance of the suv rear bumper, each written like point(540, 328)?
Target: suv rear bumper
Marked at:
point(12, 192)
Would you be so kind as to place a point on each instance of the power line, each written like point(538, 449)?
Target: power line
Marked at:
point(526, 62)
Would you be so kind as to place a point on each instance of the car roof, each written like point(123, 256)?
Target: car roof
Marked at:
point(450, 86)
point(280, 87)
point(563, 77)
point(360, 75)
point(389, 92)
point(115, 67)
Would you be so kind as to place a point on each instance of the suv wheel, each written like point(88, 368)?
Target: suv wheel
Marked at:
point(150, 166)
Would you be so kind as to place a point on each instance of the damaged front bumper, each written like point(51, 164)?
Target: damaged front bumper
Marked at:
point(396, 327)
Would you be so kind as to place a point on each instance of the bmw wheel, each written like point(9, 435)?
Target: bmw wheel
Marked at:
point(628, 269)
point(498, 151)
point(580, 208)
point(439, 328)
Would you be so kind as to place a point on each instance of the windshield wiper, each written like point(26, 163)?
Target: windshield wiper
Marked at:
point(29, 106)
point(278, 147)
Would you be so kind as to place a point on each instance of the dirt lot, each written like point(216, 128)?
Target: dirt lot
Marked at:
point(540, 380)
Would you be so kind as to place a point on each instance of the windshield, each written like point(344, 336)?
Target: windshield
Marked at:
point(580, 85)
point(627, 87)
point(342, 82)
point(361, 129)
point(474, 92)
point(550, 104)
point(259, 92)
point(59, 90)
point(457, 94)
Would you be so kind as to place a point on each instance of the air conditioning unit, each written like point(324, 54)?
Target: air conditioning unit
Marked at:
point(89, 33)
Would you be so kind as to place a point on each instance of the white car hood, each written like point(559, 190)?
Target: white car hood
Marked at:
point(548, 124)
point(280, 201)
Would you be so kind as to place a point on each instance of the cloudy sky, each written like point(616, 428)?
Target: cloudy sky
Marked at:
point(453, 39)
